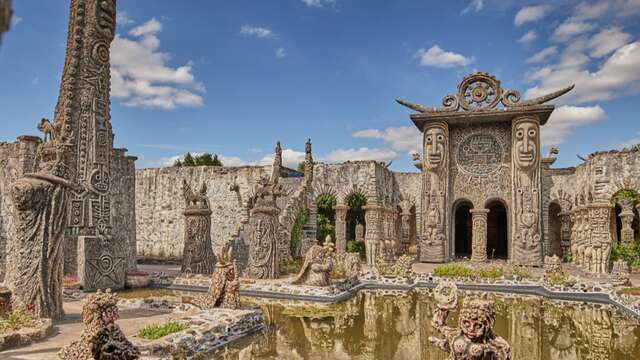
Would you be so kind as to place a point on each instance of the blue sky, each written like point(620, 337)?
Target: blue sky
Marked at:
point(234, 77)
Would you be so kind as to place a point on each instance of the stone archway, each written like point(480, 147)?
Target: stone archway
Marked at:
point(462, 229)
point(497, 230)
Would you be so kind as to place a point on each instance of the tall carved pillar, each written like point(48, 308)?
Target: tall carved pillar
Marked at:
point(405, 231)
point(565, 232)
point(373, 233)
point(479, 238)
point(600, 238)
point(526, 227)
point(574, 235)
point(435, 172)
point(341, 228)
point(197, 256)
point(626, 217)
point(263, 245)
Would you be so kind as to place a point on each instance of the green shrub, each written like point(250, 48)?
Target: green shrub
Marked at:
point(491, 272)
point(560, 279)
point(14, 319)
point(520, 272)
point(296, 231)
point(629, 253)
point(356, 247)
point(153, 332)
point(326, 217)
point(452, 270)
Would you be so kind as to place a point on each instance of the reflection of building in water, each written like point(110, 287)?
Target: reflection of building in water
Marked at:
point(525, 329)
point(405, 325)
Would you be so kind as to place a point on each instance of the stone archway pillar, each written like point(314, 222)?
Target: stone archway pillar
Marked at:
point(341, 228)
point(626, 217)
point(565, 232)
point(372, 236)
point(479, 238)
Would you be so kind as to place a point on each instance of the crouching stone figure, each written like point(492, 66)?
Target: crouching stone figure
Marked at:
point(474, 338)
point(101, 338)
point(224, 291)
point(318, 263)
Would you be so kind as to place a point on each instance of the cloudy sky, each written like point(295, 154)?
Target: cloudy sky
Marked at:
point(234, 77)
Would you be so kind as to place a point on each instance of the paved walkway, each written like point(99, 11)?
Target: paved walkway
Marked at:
point(131, 321)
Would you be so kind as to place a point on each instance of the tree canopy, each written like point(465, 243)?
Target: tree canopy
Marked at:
point(205, 159)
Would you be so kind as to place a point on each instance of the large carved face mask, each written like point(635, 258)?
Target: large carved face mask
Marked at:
point(526, 144)
point(434, 147)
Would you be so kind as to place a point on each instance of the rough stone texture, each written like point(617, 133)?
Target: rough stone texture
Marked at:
point(224, 291)
point(26, 336)
point(99, 268)
point(317, 266)
point(198, 253)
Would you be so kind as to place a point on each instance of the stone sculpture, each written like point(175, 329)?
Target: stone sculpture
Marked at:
point(626, 218)
point(621, 272)
point(40, 206)
point(224, 291)
point(352, 265)
point(198, 255)
point(101, 337)
point(359, 232)
point(263, 247)
point(372, 236)
point(474, 337)
point(552, 267)
point(479, 236)
point(317, 266)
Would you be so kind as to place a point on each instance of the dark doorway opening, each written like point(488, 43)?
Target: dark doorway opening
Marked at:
point(555, 230)
point(463, 230)
point(497, 231)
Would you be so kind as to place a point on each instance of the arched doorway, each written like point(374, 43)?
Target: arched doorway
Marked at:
point(463, 229)
point(497, 231)
point(555, 230)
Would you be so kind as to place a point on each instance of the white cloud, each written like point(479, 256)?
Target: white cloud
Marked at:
point(168, 161)
point(15, 20)
point(530, 13)
point(257, 31)
point(318, 3)
point(231, 161)
point(122, 19)
point(528, 37)
point(566, 118)
point(403, 138)
point(608, 40)
point(141, 76)
point(281, 53)
point(543, 55)
point(151, 27)
point(618, 75)
point(569, 29)
point(290, 158)
point(439, 58)
point(363, 153)
point(634, 141)
point(474, 5)
point(588, 11)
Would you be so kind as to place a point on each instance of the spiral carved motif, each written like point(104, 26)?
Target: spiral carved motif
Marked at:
point(479, 91)
point(100, 52)
point(106, 264)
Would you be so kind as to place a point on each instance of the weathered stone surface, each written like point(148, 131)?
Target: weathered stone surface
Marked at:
point(317, 266)
point(101, 264)
point(224, 291)
point(198, 253)
point(264, 259)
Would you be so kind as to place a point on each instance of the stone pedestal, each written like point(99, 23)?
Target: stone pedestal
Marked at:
point(372, 236)
point(341, 228)
point(100, 264)
point(479, 239)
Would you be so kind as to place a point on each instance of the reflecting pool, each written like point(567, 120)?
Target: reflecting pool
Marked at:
point(396, 325)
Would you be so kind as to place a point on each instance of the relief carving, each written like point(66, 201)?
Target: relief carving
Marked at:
point(263, 246)
point(197, 256)
point(479, 237)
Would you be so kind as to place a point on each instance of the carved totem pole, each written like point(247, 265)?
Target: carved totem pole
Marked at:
point(626, 217)
point(479, 236)
point(263, 247)
point(526, 191)
point(197, 257)
point(435, 172)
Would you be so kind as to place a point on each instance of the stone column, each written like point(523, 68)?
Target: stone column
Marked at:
point(598, 251)
point(565, 232)
point(405, 235)
point(526, 209)
point(197, 256)
point(341, 228)
point(479, 238)
point(372, 236)
point(626, 217)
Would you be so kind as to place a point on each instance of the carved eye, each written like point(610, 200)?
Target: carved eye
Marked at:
point(519, 134)
point(428, 140)
point(532, 133)
point(440, 138)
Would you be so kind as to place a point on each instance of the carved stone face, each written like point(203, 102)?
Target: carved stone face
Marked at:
point(525, 143)
point(434, 147)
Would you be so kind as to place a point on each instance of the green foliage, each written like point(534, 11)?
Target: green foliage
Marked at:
point(625, 193)
point(566, 258)
point(338, 271)
point(635, 291)
point(326, 217)
point(355, 202)
point(491, 272)
point(356, 247)
point(301, 167)
point(153, 332)
point(520, 272)
point(15, 319)
point(629, 253)
point(296, 231)
point(560, 279)
point(205, 159)
point(452, 270)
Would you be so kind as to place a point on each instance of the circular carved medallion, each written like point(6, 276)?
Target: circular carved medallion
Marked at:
point(479, 154)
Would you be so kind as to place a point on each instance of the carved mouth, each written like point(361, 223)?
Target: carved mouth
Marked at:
point(526, 156)
point(435, 158)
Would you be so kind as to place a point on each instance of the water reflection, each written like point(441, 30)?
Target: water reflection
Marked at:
point(396, 326)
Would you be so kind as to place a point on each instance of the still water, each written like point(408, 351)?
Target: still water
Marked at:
point(396, 325)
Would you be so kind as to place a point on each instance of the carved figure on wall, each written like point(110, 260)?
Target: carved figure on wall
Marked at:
point(224, 291)
point(526, 191)
point(599, 251)
point(479, 235)
point(372, 239)
point(317, 266)
point(40, 205)
point(198, 255)
point(626, 218)
point(101, 337)
point(48, 129)
point(359, 232)
point(263, 246)
point(473, 338)
point(435, 179)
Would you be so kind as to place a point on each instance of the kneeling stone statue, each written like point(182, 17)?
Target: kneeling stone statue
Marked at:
point(317, 267)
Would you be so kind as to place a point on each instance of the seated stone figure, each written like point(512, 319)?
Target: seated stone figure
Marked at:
point(102, 338)
point(224, 291)
point(474, 338)
point(318, 263)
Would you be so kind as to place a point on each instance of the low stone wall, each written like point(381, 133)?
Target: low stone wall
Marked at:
point(26, 336)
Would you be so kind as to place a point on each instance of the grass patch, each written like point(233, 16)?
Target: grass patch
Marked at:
point(153, 332)
point(492, 272)
point(14, 319)
point(560, 279)
point(452, 270)
point(635, 291)
point(520, 272)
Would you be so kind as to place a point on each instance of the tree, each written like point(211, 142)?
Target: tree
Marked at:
point(301, 167)
point(326, 218)
point(205, 159)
